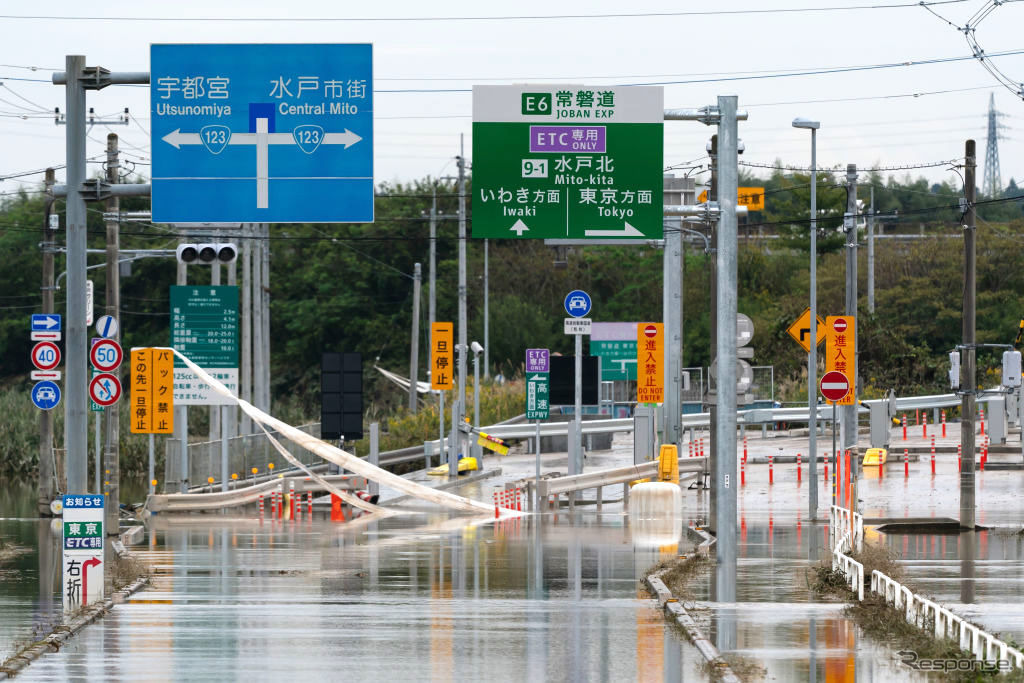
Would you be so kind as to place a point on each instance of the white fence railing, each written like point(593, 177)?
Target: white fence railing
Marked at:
point(846, 531)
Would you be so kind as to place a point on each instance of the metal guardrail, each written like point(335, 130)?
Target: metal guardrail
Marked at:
point(617, 475)
point(846, 531)
point(197, 502)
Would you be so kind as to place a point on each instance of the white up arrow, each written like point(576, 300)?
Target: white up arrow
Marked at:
point(519, 228)
point(627, 231)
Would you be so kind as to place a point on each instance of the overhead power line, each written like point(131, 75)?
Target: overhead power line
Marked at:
point(509, 17)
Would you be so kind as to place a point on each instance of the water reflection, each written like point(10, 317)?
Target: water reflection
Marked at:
point(413, 597)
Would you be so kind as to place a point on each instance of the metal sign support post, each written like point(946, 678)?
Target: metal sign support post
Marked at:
point(152, 463)
point(725, 436)
point(849, 431)
point(76, 426)
point(577, 446)
point(968, 378)
point(536, 486)
point(77, 78)
point(833, 453)
point(225, 476)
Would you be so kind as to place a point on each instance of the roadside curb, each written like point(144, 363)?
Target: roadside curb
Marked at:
point(61, 634)
point(675, 610)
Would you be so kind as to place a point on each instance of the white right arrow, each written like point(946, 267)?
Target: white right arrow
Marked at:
point(348, 138)
point(627, 231)
point(519, 228)
point(50, 322)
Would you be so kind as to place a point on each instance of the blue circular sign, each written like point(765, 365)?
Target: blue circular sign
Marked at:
point(46, 395)
point(577, 303)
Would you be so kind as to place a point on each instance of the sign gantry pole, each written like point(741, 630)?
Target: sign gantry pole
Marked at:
point(76, 424)
point(726, 345)
point(77, 78)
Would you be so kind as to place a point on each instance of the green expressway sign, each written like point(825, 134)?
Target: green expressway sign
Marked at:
point(567, 162)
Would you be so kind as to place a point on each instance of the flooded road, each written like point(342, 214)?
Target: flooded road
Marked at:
point(427, 596)
point(410, 597)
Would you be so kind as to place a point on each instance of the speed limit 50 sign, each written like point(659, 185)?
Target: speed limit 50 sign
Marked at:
point(105, 354)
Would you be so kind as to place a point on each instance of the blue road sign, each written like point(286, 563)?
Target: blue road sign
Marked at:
point(49, 322)
point(46, 395)
point(577, 303)
point(262, 133)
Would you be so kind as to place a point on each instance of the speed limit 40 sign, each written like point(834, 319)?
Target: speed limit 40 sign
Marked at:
point(105, 354)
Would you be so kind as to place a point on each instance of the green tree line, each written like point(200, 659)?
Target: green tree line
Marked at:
point(349, 287)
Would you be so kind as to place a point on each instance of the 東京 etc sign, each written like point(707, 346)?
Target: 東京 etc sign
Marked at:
point(262, 133)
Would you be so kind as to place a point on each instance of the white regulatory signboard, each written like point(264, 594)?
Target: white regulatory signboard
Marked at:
point(577, 325)
point(82, 542)
point(189, 390)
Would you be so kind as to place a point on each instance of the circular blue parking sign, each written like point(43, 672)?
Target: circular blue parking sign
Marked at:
point(46, 395)
point(577, 303)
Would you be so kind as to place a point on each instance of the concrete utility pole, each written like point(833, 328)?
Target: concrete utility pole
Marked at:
point(265, 301)
point(216, 411)
point(245, 379)
point(180, 411)
point(257, 315)
point(111, 450)
point(47, 475)
point(432, 294)
point(414, 352)
point(229, 424)
point(487, 310)
point(677, 191)
point(849, 413)
point(871, 253)
point(725, 380)
point(968, 379)
point(463, 348)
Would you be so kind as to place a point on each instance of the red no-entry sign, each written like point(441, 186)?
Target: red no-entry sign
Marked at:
point(834, 386)
point(650, 331)
point(839, 325)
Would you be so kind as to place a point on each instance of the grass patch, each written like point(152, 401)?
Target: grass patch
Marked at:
point(677, 573)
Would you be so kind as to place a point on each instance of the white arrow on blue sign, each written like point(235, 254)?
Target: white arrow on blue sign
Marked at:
point(577, 303)
point(45, 321)
point(46, 395)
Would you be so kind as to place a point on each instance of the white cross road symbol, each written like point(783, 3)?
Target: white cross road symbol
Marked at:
point(262, 139)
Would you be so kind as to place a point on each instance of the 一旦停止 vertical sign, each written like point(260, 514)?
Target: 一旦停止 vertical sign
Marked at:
point(442, 356)
point(569, 162)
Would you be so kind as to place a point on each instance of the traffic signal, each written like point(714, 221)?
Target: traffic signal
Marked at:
point(207, 253)
point(341, 396)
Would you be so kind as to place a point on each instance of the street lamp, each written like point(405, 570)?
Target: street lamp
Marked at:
point(812, 358)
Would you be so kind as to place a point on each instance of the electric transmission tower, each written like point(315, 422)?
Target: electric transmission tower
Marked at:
point(992, 183)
